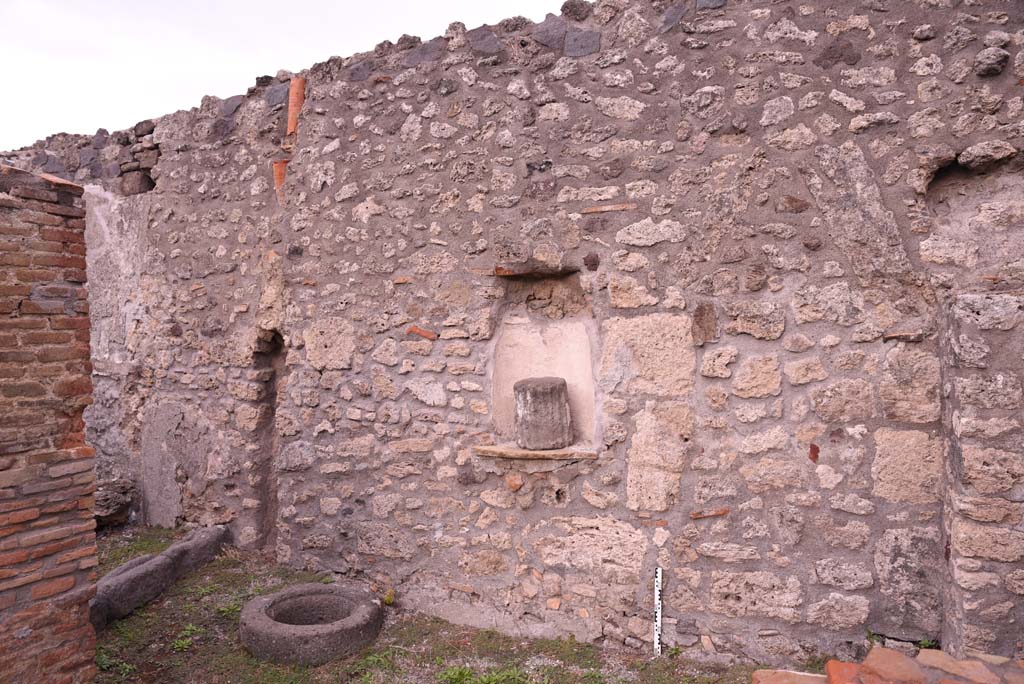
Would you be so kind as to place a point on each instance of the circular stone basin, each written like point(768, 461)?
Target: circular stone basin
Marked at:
point(310, 624)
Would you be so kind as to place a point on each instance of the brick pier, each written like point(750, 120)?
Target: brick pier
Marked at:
point(47, 540)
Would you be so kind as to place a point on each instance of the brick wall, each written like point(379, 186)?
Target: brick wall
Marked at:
point(47, 543)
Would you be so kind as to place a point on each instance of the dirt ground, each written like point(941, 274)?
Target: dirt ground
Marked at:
point(190, 636)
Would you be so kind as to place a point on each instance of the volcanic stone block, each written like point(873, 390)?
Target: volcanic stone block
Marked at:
point(142, 579)
point(136, 183)
point(542, 418)
point(311, 624)
point(580, 43)
point(113, 501)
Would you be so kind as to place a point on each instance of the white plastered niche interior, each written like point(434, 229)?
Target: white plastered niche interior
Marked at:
point(526, 347)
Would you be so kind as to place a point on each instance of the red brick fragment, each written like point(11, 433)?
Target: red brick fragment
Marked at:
point(296, 96)
point(422, 332)
point(52, 587)
point(887, 665)
point(839, 672)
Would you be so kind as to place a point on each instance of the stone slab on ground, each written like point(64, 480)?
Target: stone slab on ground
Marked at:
point(786, 677)
point(973, 670)
point(888, 666)
point(142, 579)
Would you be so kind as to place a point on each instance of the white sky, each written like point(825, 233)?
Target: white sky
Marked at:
point(77, 65)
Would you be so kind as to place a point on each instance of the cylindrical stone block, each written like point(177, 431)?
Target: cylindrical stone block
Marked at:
point(542, 418)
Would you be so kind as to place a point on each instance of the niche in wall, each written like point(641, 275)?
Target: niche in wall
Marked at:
point(269, 360)
point(545, 330)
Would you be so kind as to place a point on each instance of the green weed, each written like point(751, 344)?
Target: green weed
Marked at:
point(510, 675)
point(108, 663)
point(230, 610)
point(456, 675)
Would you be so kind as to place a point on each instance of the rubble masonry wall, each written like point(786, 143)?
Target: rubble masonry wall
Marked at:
point(791, 234)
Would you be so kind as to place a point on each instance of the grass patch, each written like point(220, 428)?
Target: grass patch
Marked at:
point(230, 610)
point(369, 667)
point(507, 675)
point(680, 670)
point(190, 636)
point(465, 675)
point(459, 674)
point(489, 643)
point(117, 547)
point(106, 662)
point(570, 652)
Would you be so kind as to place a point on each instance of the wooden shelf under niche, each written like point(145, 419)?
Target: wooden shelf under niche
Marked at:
point(571, 453)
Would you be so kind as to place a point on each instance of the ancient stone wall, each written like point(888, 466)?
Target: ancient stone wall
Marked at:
point(975, 247)
point(795, 347)
point(47, 547)
point(123, 160)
